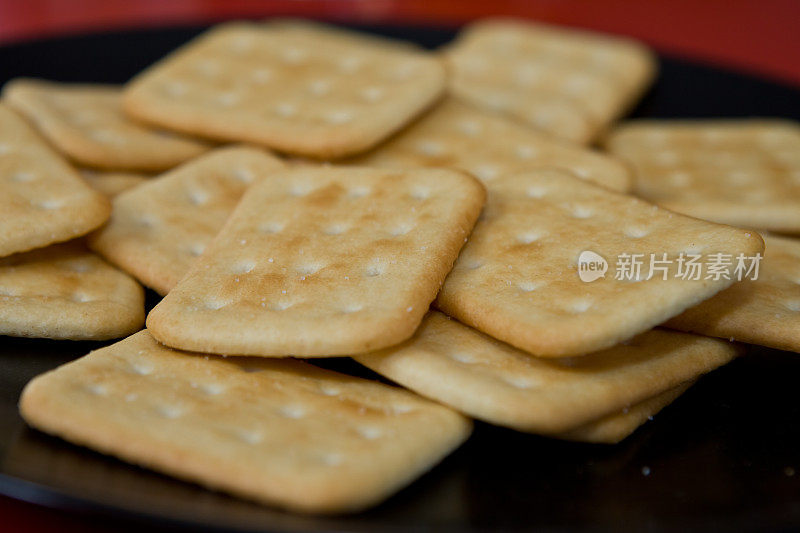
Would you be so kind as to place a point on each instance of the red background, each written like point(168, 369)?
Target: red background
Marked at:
point(757, 36)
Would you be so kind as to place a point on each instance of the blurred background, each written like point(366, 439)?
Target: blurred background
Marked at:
point(756, 36)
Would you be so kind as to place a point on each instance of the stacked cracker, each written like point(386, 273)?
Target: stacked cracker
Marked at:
point(435, 199)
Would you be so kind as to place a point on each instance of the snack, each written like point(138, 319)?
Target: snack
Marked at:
point(518, 280)
point(740, 172)
point(42, 199)
point(66, 292)
point(280, 432)
point(492, 381)
point(113, 183)
point(159, 228)
point(297, 87)
point(456, 135)
point(323, 261)
point(764, 311)
point(85, 123)
point(615, 427)
point(565, 82)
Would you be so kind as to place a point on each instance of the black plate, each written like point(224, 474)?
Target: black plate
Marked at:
point(723, 456)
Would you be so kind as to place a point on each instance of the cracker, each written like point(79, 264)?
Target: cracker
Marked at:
point(740, 172)
point(85, 123)
point(764, 311)
point(454, 134)
point(323, 261)
point(517, 278)
point(300, 88)
point(280, 432)
point(159, 228)
point(113, 183)
point(66, 292)
point(568, 83)
point(42, 199)
point(492, 381)
point(615, 427)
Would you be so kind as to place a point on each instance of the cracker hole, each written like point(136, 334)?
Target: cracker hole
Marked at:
point(420, 193)
point(401, 229)
point(375, 269)
point(227, 99)
point(463, 357)
point(526, 152)
point(319, 87)
point(261, 75)
point(401, 409)
point(332, 459)
point(97, 389)
point(49, 204)
point(352, 308)
point(207, 68)
point(370, 432)
point(215, 304)
point(250, 436)
point(169, 411)
point(306, 269)
point(529, 286)
point(212, 389)
point(520, 382)
point(243, 267)
point(529, 237)
point(536, 191)
point(473, 264)
point(22, 177)
point(581, 211)
point(81, 297)
point(372, 94)
point(335, 229)
point(470, 128)
point(285, 110)
point(198, 197)
point(486, 172)
point(292, 411)
point(579, 306)
point(430, 148)
point(358, 192)
point(350, 64)
point(329, 390)
point(196, 250)
point(142, 370)
point(292, 55)
point(667, 157)
point(339, 117)
point(636, 232)
point(271, 227)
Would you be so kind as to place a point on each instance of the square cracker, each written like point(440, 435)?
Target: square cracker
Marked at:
point(42, 199)
point(280, 432)
point(454, 134)
point(492, 381)
point(66, 292)
point(568, 83)
point(85, 123)
point(159, 228)
point(113, 183)
point(517, 278)
point(323, 261)
point(763, 311)
point(297, 87)
point(615, 427)
point(740, 172)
